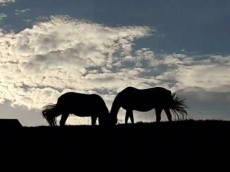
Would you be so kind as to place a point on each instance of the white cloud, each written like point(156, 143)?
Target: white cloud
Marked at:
point(212, 73)
point(2, 16)
point(204, 76)
point(39, 64)
point(65, 54)
point(4, 2)
point(27, 20)
point(18, 12)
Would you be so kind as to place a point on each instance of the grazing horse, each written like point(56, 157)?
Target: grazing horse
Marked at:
point(83, 105)
point(145, 100)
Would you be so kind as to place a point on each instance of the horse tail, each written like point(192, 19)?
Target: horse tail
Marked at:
point(178, 106)
point(48, 112)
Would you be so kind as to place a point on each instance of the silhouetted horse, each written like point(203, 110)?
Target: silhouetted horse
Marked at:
point(145, 100)
point(83, 105)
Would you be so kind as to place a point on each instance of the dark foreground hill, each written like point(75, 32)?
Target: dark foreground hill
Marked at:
point(151, 145)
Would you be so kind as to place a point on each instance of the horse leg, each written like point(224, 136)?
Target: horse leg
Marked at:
point(131, 117)
point(158, 114)
point(63, 119)
point(93, 120)
point(126, 117)
point(168, 113)
point(129, 114)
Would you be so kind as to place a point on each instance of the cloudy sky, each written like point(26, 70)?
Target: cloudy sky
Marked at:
point(49, 47)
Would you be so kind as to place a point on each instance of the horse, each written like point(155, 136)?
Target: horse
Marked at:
point(83, 105)
point(145, 100)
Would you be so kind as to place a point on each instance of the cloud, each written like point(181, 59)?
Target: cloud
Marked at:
point(19, 12)
point(65, 54)
point(62, 54)
point(4, 2)
point(205, 104)
point(2, 16)
point(27, 20)
point(211, 73)
point(208, 77)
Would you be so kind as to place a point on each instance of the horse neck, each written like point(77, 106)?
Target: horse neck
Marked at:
point(115, 107)
point(105, 111)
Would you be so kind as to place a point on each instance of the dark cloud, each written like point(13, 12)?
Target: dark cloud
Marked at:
point(205, 104)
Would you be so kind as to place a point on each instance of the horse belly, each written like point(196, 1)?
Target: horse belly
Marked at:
point(139, 105)
point(82, 114)
point(145, 100)
point(82, 107)
point(144, 108)
point(80, 111)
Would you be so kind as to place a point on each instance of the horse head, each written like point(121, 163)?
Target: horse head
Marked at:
point(107, 120)
point(112, 120)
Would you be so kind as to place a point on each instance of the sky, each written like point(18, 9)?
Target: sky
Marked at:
point(49, 47)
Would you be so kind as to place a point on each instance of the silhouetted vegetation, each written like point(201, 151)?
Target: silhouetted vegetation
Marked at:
point(9, 124)
point(139, 146)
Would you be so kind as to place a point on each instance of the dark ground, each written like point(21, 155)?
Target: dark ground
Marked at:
point(186, 145)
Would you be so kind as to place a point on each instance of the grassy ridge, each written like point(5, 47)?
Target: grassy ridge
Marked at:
point(186, 142)
point(182, 129)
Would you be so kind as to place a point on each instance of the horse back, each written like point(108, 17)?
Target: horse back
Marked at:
point(77, 101)
point(159, 90)
point(144, 98)
point(129, 91)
